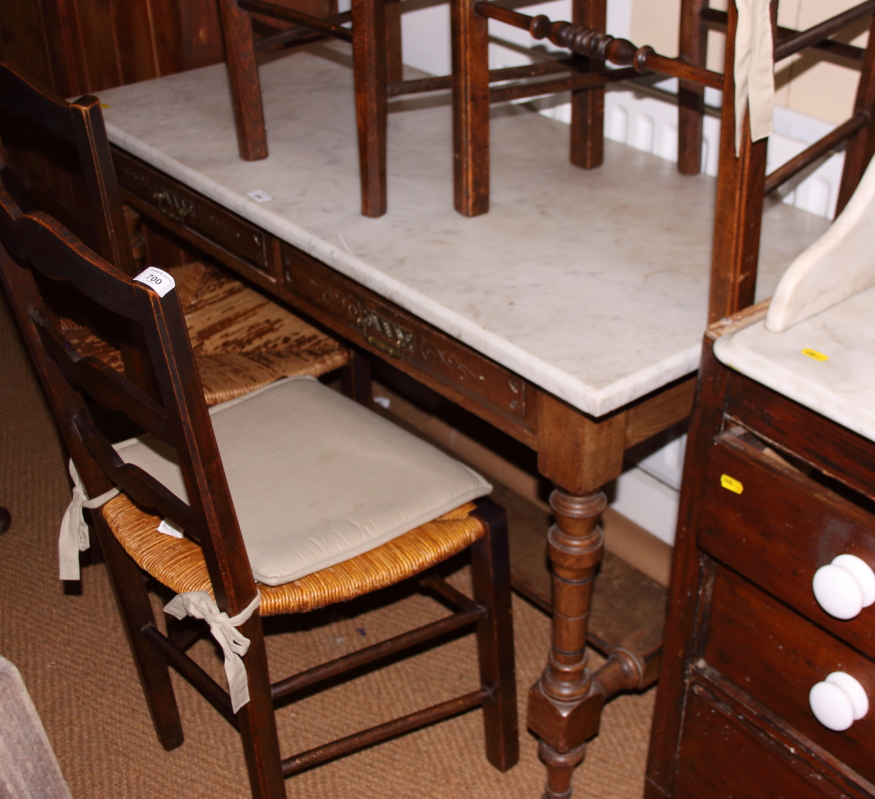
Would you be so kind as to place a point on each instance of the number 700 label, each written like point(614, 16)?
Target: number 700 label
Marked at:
point(156, 279)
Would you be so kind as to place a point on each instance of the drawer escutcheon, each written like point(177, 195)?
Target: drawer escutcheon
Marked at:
point(172, 206)
point(401, 337)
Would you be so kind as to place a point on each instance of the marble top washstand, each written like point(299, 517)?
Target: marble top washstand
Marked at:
point(591, 284)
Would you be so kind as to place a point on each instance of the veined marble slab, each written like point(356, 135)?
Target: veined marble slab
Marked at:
point(826, 362)
point(593, 285)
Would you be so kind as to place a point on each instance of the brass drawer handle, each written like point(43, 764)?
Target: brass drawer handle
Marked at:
point(401, 337)
point(173, 207)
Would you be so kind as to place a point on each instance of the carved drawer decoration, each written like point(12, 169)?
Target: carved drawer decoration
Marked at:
point(403, 337)
point(189, 209)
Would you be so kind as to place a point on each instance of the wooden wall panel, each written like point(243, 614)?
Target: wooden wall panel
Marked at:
point(23, 39)
point(199, 31)
point(78, 47)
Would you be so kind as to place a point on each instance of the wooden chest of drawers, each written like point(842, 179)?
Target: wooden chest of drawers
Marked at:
point(772, 493)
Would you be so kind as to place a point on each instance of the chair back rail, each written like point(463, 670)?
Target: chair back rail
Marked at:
point(36, 250)
point(56, 158)
point(101, 223)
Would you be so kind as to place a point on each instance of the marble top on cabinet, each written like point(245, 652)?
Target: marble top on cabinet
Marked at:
point(591, 284)
point(826, 362)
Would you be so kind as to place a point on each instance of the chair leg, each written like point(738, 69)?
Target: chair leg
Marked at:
point(369, 66)
point(136, 612)
point(243, 77)
point(861, 145)
point(691, 96)
point(257, 720)
point(470, 38)
point(490, 567)
point(394, 62)
point(355, 379)
point(588, 105)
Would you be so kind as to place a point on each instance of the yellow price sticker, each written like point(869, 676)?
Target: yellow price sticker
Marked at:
point(817, 356)
point(731, 484)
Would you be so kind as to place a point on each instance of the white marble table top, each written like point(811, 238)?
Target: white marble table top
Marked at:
point(592, 285)
point(826, 362)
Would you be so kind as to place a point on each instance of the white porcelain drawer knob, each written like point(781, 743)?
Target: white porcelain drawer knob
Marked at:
point(838, 701)
point(844, 587)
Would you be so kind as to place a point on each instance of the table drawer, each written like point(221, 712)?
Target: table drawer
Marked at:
point(776, 656)
point(371, 321)
point(192, 211)
point(776, 526)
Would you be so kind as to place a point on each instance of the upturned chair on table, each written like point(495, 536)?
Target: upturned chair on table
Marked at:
point(330, 501)
point(56, 158)
point(375, 36)
point(586, 76)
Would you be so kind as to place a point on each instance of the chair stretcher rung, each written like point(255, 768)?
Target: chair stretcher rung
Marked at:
point(189, 669)
point(374, 652)
point(382, 732)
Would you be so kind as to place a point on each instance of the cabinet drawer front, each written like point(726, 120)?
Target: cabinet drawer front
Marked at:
point(371, 321)
point(190, 210)
point(776, 656)
point(721, 758)
point(780, 529)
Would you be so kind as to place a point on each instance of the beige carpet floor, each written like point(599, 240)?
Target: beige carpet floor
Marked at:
point(75, 661)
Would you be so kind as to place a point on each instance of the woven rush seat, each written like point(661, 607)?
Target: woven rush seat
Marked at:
point(179, 563)
point(284, 469)
point(241, 340)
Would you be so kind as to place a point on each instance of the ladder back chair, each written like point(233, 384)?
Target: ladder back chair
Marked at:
point(375, 37)
point(742, 183)
point(291, 498)
point(56, 158)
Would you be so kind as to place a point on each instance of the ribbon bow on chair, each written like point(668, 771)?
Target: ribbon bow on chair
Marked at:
point(74, 531)
point(201, 605)
point(754, 69)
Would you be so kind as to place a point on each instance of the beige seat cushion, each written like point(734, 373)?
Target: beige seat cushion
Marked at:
point(317, 479)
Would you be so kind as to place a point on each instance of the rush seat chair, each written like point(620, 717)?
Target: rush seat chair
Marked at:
point(288, 499)
point(55, 157)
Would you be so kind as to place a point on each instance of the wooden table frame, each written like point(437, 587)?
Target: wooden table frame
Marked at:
point(578, 453)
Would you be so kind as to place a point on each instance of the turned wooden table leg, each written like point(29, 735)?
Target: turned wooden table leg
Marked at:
point(565, 704)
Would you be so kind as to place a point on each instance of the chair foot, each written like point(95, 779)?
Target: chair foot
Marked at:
point(5, 519)
point(257, 720)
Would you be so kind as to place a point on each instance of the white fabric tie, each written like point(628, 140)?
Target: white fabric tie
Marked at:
point(74, 531)
point(754, 70)
point(201, 605)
